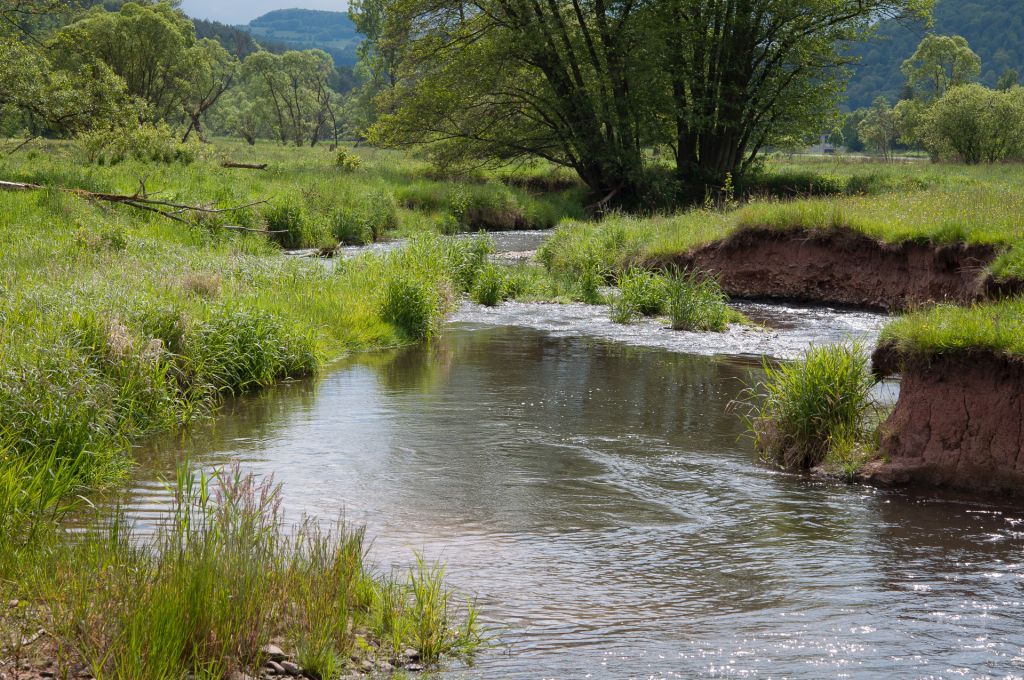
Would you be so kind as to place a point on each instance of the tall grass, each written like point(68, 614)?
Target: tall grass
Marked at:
point(946, 329)
point(696, 302)
point(223, 577)
point(813, 410)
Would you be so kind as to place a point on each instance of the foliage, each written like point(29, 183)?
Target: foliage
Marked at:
point(939, 63)
point(976, 123)
point(807, 411)
point(411, 306)
point(489, 287)
point(594, 93)
point(641, 293)
point(346, 161)
point(148, 142)
point(994, 29)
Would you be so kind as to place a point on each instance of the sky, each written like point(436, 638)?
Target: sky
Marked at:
point(244, 11)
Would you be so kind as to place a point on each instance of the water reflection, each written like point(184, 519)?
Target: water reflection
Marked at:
point(599, 500)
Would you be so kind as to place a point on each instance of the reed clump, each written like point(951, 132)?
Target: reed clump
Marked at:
point(815, 410)
point(222, 578)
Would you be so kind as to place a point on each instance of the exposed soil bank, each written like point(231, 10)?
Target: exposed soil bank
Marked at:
point(843, 267)
point(959, 422)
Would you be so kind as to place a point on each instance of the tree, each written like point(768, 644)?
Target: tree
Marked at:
point(151, 46)
point(878, 128)
point(293, 90)
point(38, 95)
point(377, 57)
point(1008, 80)
point(939, 63)
point(978, 124)
point(213, 72)
point(590, 84)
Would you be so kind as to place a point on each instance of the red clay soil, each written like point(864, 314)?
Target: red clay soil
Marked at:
point(842, 267)
point(959, 423)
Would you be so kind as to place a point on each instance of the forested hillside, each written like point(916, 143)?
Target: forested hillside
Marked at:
point(994, 29)
point(306, 29)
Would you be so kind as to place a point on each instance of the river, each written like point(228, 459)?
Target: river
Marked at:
point(587, 483)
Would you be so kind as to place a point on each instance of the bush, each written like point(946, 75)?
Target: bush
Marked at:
point(366, 219)
point(156, 143)
point(346, 160)
point(412, 307)
point(697, 303)
point(286, 221)
point(811, 410)
point(489, 288)
point(976, 123)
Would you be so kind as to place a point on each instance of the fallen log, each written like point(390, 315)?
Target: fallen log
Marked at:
point(18, 186)
point(140, 199)
point(244, 166)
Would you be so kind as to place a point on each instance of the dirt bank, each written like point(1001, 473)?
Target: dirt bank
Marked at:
point(959, 422)
point(842, 267)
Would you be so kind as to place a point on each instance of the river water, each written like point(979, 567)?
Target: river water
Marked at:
point(587, 484)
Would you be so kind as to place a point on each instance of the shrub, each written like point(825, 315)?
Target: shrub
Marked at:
point(412, 307)
point(697, 303)
point(286, 221)
point(489, 288)
point(346, 160)
point(365, 219)
point(807, 411)
point(156, 143)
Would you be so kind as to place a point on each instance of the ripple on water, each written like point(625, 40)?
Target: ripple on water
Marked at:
point(601, 504)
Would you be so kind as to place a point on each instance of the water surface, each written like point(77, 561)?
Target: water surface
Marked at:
point(600, 501)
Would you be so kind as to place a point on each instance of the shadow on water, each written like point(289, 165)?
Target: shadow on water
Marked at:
point(606, 510)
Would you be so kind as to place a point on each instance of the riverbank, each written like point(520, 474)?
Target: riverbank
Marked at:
point(117, 324)
point(958, 421)
point(913, 236)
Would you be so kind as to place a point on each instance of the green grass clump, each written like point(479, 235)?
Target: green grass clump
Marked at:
point(489, 287)
point(412, 307)
point(223, 577)
point(946, 329)
point(696, 303)
point(813, 410)
point(641, 293)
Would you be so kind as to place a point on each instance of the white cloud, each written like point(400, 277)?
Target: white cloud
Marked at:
point(244, 11)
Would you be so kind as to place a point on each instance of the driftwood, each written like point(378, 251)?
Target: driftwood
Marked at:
point(18, 186)
point(141, 199)
point(244, 166)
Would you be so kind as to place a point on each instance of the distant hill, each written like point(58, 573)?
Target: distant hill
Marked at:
point(237, 41)
point(994, 29)
point(332, 32)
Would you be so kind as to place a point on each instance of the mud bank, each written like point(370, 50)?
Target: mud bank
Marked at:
point(959, 423)
point(843, 267)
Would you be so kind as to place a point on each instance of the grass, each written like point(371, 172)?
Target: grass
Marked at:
point(116, 324)
point(993, 327)
point(815, 410)
point(312, 198)
point(223, 577)
point(943, 204)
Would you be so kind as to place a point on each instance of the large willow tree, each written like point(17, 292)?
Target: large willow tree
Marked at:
point(593, 84)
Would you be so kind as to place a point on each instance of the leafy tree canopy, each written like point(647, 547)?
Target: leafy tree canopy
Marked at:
point(590, 84)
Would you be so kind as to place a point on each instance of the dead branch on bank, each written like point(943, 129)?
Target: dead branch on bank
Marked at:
point(141, 199)
point(244, 166)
